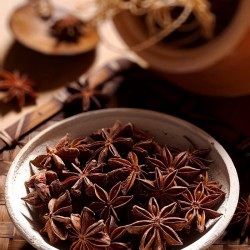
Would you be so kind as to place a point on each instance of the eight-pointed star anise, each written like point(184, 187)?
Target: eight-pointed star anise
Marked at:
point(55, 157)
point(17, 86)
point(86, 97)
point(242, 215)
point(109, 202)
point(58, 218)
point(198, 206)
point(157, 226)
point(163, 187)
point(86, 233)
point(109, 140)
point(84, 178)
point(197, 158)
point(129, 168)
point(170, 163)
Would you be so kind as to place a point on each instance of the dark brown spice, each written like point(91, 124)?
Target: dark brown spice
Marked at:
point(109, 177)
point(68, 29)
point(17, 86)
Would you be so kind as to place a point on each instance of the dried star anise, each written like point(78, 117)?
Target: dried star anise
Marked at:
point(17, 86)
point(41, 183)
point(87, 234)
point(109, 140)
point(116, 234)
point(68, 29)
point(169, 163)
point(210, 187)
point(129, 167)
point(198, 206)
point(163, 187)
point(85, 178)
point(242, 215)
point(157, 226)
point(86, 97)
point(109, 202)
point(110, 175)
point(58, 218)
point(55, 157)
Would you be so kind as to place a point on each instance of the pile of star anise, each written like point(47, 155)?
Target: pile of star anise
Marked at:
point(119, 189)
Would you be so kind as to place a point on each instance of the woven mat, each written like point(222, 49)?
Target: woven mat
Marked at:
point(142, 90)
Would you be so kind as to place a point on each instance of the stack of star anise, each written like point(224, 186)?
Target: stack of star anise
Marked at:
point(120, 189)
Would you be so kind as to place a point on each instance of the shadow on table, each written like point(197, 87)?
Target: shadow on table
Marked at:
point(48, 72)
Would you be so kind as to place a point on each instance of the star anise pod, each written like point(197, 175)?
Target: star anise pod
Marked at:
point(109, 202)
point(41, 183)
point(17, 86)
point(110, 140)
point(58, 218)
point(116, 234)
point(210, 186)
point(156, 226)
point(242, 215)
point(87, 234)
point(56, 157)
point(45, 177)
point(67, 29)
point(163, 187)
point(84, 178)
point(129, 168)
point(196, 158)
point(169, 163)
point(198, 206)
point(85, 97)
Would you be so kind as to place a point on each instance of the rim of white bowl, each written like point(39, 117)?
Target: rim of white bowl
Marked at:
point(207, 239)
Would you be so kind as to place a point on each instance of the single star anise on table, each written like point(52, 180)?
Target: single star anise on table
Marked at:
point(67, 29)
point(242, 215)
point(156, 226)
point(85, 98)
point(198, 206)
point(86, 233)
point(17, 86)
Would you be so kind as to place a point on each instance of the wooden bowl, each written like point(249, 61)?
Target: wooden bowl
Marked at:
point(32, 31)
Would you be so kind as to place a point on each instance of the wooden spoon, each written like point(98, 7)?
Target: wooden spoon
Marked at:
point(33, 31)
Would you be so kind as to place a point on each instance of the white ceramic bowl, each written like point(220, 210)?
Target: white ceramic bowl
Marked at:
point(165, 128)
